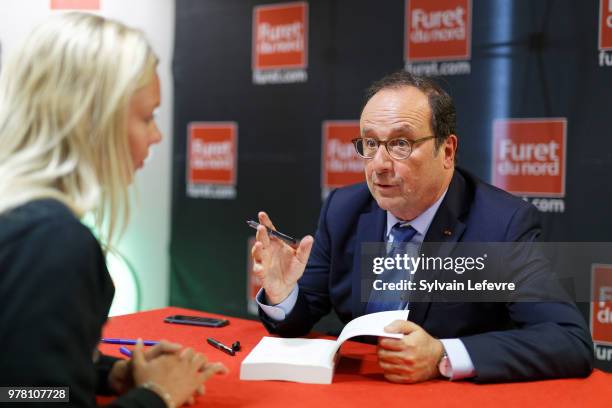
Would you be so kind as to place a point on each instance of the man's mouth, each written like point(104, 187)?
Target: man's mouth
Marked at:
point(385, 186)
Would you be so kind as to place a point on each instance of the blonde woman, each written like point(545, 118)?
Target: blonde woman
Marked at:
point(76, 122)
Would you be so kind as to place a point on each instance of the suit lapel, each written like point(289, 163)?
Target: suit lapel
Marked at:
point(370, 228)
point(444, 232)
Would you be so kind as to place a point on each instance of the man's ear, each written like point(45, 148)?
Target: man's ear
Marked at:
point(449, 148)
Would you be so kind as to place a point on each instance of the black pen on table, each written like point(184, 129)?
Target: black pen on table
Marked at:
point(218, 345)
point(274, 233)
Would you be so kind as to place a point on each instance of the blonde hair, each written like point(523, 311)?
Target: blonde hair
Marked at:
point(64, 99)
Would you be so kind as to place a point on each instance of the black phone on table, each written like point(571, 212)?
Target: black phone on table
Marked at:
point(196, 321)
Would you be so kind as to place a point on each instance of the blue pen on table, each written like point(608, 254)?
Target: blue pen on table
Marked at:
point(128, 342)
point(125, 351)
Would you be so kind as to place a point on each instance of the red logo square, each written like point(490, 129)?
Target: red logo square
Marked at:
point(341, 165)
point(529, 156)
point(212, 153)
point(601, 306)
point(437, 30)
point(605, 24)
point(280, 36)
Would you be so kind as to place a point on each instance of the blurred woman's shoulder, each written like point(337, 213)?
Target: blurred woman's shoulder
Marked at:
point(46, 220)
point(20, 220)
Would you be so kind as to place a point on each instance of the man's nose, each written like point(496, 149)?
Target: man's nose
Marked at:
point(381, 161)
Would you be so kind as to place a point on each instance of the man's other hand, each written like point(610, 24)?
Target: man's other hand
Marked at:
point(413, 358)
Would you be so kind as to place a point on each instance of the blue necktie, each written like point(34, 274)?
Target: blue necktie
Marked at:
point(385, 300)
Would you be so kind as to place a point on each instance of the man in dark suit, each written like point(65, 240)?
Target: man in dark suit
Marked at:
point(415, 194)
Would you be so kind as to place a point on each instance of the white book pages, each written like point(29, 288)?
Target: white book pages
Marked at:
point(293, 351)
point(372, 324)
point(310, 360)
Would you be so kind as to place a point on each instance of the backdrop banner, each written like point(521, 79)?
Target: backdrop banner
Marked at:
point(531, 82)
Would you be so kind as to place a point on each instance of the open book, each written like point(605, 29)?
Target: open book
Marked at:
point(311, 360)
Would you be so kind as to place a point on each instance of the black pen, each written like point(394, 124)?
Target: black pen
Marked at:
point(279, 235)
point(217, 344)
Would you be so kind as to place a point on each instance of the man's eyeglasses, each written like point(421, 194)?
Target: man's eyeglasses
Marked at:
point(399, 148)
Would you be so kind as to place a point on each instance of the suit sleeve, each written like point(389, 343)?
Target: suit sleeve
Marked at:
point(313, 298)
point(549, 339)
point(138, 397)
point(104, 365)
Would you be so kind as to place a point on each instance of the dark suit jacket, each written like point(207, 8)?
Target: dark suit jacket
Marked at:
point(506, 341)
point(55, 293)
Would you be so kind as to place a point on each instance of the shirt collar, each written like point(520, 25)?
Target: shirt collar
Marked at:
point(422, 222)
